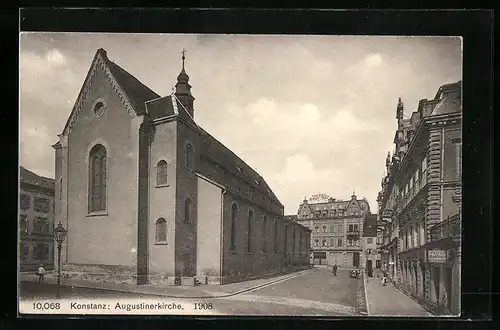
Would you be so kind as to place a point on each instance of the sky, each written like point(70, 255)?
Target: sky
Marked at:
point(311, 114)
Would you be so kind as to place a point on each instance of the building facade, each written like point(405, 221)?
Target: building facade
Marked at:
point(369, 243)
point(336, 229)
point(36, 221)
point(135, 173)
point(420, 202)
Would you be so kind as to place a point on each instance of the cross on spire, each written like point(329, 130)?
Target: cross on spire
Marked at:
point(183, 56)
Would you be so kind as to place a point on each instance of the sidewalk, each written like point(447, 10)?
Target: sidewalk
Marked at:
point(200, 291)
point(389, 301)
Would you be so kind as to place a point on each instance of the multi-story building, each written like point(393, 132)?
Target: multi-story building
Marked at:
point(36, 221)
point(337, 229)
point(369, 243)
point(419, 204)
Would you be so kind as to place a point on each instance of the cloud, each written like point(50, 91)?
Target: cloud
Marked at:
point(373, 59)
point(300, 170)
point(54, 57)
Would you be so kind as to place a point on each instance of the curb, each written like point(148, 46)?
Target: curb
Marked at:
point(210, 296)
point(366, 297)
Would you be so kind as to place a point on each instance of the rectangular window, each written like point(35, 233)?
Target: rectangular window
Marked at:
point(332, 241)
point(41, 225)
point(41, 204)
point(24, 201)
point(351, 228)
point(317, 229)
point(424, 172)
point(340, 229)
point(411, 182)
point(323, 242)
point(23, 223)
point(316, 242)
point(332, 229)
point(369, 240)
point(324, 229)
point(339, 242)
point(25, 250)
point(356, 228)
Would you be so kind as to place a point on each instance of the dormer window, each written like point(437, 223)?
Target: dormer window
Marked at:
point(239, 169)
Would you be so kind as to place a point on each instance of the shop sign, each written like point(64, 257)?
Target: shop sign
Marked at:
point(319, 255)
point(437, 256)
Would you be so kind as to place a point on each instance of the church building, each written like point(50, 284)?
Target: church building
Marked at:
point(145, 192)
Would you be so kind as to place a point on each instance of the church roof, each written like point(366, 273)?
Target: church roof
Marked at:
point(292, 218)
point(137, 92)
point(29, 177)
point(220, 154)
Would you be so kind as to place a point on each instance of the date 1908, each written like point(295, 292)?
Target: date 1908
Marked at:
point(46, 306)
point(203, 305)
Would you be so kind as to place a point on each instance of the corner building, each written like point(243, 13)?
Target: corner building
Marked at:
point(420, 202)
point(146, 193)
point(36, 221)
point(337, 229)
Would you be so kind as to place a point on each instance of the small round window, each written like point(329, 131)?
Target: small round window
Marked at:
point(99, 109)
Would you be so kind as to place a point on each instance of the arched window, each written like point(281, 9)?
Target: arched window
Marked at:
point(189, 156)
point(187, 210)
point(234, 213)
point(60, 188)
point(275, 238)
point(249, 237)
point(293, 241)
point(97, 178)
point(264, 240)
point(161, 173)
point(161, 231)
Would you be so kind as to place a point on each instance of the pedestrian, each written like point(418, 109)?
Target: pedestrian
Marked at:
point(370, 272)
point(41, 273)
point(334, 269)
point(384, 279)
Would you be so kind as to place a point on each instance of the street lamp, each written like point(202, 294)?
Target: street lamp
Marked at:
point(60, 235)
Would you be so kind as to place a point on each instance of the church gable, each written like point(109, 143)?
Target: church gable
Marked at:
point(131, 93)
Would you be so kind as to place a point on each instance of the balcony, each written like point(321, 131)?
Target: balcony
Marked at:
point(449, 228)
point(352, 233)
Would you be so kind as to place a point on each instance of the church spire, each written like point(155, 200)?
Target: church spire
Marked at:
point(183, 88)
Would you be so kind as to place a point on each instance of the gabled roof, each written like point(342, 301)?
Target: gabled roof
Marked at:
point(29, 177)
point(137, 92)
point(370, 225)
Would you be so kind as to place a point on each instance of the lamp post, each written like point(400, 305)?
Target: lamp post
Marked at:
point(59, 235)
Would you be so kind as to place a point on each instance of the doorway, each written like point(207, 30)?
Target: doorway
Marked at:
point(447, 285)
point(369, 264)
point(355, 259)
point(378, 264)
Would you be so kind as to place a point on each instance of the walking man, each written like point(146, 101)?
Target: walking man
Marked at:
point(334, 269)
point(41, 273)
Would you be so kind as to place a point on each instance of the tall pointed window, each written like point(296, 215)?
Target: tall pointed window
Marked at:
point(187, 210)
point(234, 213)
point(97, 178)
point(275, 238)
point(189, 156)
point(161, 231)
point(161, 173)
point(249, 235)
point(264, 240)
